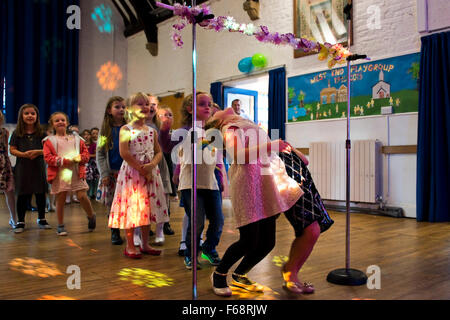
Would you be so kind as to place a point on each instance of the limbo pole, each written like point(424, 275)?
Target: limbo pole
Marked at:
point(348, 276)
point(194, 162)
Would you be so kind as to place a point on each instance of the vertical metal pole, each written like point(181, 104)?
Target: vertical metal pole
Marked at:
point(194, 162)
point(348, 146)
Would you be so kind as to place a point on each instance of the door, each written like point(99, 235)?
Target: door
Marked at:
point(249, 101)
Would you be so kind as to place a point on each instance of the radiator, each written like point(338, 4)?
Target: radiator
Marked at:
point(328, 169)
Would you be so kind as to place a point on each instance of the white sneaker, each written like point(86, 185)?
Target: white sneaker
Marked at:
point(159, 241)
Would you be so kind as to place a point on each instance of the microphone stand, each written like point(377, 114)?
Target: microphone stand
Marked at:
point(348, 276)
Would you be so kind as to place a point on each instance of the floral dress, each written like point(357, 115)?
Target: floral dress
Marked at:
point(137, 201)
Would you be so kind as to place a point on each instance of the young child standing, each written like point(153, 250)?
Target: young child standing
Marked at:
point(6, 174)
point(209, 202)
point(108, 157)
point(139, 196)
point(66, 157)
point(29, 171)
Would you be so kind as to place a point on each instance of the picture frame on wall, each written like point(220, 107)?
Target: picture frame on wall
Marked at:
point(321, 20)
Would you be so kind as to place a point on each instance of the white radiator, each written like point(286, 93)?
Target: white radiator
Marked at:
point(328, 169)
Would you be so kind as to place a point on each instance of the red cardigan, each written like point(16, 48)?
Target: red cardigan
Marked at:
point(54, 161)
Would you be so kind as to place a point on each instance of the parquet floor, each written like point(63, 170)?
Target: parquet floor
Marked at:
point(414, 260)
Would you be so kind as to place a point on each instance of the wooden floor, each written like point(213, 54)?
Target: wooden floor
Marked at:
point(414, 259)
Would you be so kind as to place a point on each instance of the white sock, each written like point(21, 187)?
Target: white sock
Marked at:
point(159, 233)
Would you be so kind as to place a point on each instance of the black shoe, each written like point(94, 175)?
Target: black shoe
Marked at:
point(151, 233)
point(115, 237)
point(168, 230)
point(92, 223)
point(181, 251)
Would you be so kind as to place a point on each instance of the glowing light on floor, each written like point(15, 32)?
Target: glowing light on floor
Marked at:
point(280, 260)
point(109, 76)
point(268, 294)
point(35, 267)
point(145, 278)
point(50, 297)
point(70, 243)
point(102, 16)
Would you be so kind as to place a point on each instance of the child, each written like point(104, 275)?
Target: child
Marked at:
point(86, 135)
point(260, 191)
point(66, 156)
point(29, 171)
point(108, 156)
point(209, 202)
point(308, 217)
point(139, 196)
point(92, 174)
point(6, 174)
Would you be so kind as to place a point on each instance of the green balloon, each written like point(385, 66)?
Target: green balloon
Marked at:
point(259, 60)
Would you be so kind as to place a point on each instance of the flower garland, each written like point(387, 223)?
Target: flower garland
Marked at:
point(334, 53)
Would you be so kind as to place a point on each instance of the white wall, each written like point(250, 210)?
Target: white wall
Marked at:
point(219, 54)
point(96, 49)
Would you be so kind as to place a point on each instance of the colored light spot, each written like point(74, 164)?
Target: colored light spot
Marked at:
point(70, 243)
point(102, 16)
point(66, 175)
point(145, 278)
point(35, 267)
point(268, 294)
point(109, 76)
point(280, 260)
point(50, 297)
point(101, 141)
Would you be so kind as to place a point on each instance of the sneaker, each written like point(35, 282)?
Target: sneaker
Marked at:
point(159, 241)
point(75, 199)
point(61, 231)
point(92, 223)
point(42, 223)
point(182, 249)
point(19, 227)
point(188, 263)
point(243, 282)
point(212, 257)
point(219, 285)
point(168, 229)
point(115, 237)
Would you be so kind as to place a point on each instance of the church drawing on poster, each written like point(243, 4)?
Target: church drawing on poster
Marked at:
point(323, 95)
point(382, 89)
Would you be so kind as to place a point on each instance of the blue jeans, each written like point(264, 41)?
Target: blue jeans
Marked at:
point(209, 205)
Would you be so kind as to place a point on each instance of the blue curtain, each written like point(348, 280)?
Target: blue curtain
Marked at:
point(277, 102)
point(39, 57)
point(217, 94)
point(433, 146)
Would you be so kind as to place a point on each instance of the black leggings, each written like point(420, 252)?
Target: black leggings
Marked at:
point(256, 240)
point(24, 199)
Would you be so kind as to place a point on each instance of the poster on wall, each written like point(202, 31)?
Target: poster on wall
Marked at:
point(392, 83)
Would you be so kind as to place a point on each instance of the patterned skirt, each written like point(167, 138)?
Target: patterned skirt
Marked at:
point(309, 208)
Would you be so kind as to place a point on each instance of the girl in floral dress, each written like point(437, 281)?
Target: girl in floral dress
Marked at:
point(139, 196)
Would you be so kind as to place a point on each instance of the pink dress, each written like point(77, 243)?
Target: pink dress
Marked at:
point(137, 201)
point(68, 178)
point(260, 189)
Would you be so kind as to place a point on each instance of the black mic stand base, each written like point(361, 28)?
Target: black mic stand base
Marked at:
point(347, 277)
